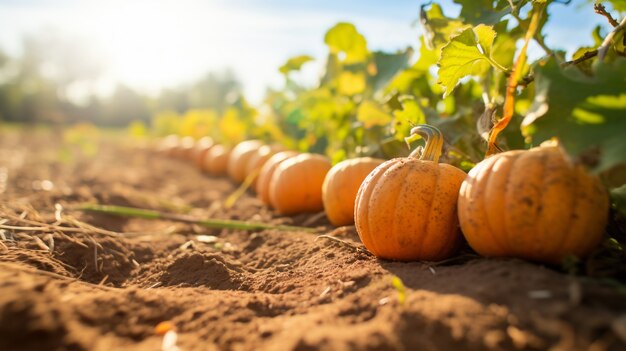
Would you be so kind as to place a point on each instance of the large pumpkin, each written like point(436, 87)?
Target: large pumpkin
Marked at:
point(296, 185)
point(266, 173)
point(341, 185)
point(216, 160)
point(532, 204)
point(239, 157)
point(406, 208)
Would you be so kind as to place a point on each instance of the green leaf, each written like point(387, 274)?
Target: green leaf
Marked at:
point(618, 5)
point(371, 114)
point(350, 84)
point(465, 54)
point(410, 115)
point(344, 38)
point(438, 28)
point(294, 63)
point(587, 114)
point(387, 66)
point(485, 11)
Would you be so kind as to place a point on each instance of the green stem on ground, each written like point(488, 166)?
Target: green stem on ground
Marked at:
point(208, 223)
point(232, 198)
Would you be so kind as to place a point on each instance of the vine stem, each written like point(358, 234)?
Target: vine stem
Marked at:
point(495, 64)
point(434, 142)
point(208, 223)
point(606, 44)
point(512, 83)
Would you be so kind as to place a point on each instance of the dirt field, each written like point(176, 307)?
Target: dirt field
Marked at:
point(107, 288)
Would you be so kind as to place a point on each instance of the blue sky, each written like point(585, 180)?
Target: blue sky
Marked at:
point(151, 44)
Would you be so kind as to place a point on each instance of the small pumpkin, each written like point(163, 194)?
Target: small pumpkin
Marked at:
point(406, 208)
point(341, 185)
point(296, 185)
point(216, 160)
point(185, 147)
point(265, 174)
point(258, 159)
point(533, 204)
point(239, 157)
point(168, 145)
point(200, 149)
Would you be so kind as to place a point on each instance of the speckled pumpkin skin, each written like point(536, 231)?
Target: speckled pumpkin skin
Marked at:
point(532, 204)
point(406, 210)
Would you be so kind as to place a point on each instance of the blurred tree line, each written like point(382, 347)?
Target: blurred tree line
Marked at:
point(54, 80)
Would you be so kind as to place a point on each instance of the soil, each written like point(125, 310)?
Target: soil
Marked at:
point(107, 287)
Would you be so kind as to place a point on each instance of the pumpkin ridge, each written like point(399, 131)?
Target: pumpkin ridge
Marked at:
point(401, 168)
point(427, 218)
point(538, 245)
point(488, 169)
point(567, 238)
point(554, 250)
point(501, 245)
point(366, 194)
point(442, 248)
point(512, 202)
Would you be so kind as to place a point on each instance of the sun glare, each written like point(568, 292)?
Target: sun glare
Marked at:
point(153, 44)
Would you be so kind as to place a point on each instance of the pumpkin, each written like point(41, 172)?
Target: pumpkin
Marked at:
point(265, 174)
point(296, 185)
point(533, 204)
point(184, 148)
point(239, 157)
point(258, 159)
point(168, 145)
point(406, 208)
point(200, 149)
point(216, 160)
point(341, 185)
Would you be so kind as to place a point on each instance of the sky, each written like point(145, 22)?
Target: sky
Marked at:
point(153, 44)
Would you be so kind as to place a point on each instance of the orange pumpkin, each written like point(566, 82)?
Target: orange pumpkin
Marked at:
point(239, 157)
point(200, 149)
point(266, 173)
point(406, 208)
point(258, 159)
point(341, 185)
point(184, 149)
point(216, 160)
point(168, 145)
point(532, 204)
point(296, 185)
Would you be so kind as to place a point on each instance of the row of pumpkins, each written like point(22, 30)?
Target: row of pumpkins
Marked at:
point(533, 204)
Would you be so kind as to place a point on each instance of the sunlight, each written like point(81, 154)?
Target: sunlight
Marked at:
point(152, 45)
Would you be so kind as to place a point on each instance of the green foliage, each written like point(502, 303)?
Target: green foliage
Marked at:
point(137, 130)
point(584, 113)
point(344, 39)
point(294, 63)
point(468, 53)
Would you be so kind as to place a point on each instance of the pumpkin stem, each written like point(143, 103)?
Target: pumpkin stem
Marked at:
point(434, 142)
